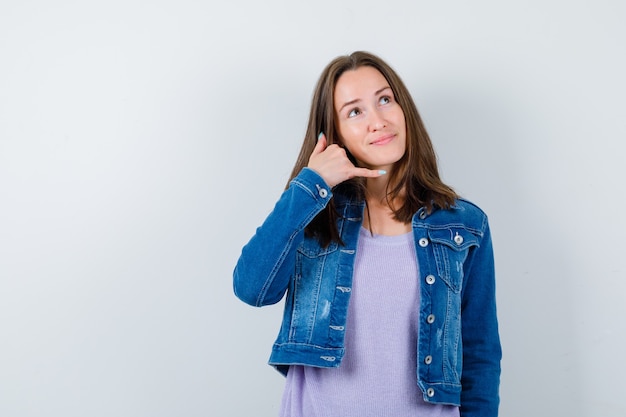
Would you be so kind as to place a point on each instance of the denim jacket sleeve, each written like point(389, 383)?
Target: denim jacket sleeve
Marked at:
point(481, 343)
point(266, 264)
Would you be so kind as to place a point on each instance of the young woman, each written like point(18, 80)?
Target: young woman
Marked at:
point(389, 275)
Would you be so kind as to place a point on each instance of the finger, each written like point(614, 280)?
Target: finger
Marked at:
point(320, 145)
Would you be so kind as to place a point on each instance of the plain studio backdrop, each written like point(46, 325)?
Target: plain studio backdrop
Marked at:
point(141, 144)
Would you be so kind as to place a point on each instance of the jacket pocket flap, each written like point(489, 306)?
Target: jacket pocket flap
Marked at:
point(456, 238)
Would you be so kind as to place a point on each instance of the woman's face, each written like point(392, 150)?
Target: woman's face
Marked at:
point(370, 122)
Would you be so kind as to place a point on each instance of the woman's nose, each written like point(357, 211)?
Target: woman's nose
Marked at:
point(377, 121)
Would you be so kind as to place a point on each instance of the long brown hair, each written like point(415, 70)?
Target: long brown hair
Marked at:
point(414, 178)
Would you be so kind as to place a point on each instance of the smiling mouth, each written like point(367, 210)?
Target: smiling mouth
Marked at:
point(383, 140)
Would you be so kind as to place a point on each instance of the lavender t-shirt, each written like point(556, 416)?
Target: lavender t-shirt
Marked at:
point(377, 376)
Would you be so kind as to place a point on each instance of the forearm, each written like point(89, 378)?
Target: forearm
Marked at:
point(266, 263)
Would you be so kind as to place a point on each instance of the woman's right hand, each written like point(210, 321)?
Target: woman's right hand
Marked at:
point(333, 165)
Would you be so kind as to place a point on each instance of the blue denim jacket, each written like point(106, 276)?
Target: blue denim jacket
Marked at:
point(455, 258)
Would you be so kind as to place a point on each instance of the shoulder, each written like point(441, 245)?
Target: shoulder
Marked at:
point(463, 213)
point(467, 208)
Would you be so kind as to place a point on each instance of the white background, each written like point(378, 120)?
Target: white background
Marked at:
point(141, 143)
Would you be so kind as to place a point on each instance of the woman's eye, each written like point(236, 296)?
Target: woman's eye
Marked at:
point(385, 100)
point(354, 112)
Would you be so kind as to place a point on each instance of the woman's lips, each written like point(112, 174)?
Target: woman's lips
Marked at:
point(383, 140)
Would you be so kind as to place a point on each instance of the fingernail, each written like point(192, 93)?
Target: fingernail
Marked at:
point(320, 135)
point(382, 172)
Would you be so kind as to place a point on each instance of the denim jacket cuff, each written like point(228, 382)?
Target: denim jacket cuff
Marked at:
point(311, 182)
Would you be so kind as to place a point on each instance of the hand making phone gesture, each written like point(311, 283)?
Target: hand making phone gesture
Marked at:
point(332, 164)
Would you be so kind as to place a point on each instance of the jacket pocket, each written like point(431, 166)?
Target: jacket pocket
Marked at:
point(451, 246)
point(310, 262)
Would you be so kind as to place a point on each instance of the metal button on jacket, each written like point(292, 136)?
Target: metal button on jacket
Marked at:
point(430, 392)
point(430, 279)
point(423, 242)
point(430, 319)
point(323, 193)
point(428, 360)
point(458, 239)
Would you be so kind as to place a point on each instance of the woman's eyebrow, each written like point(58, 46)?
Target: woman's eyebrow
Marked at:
point(348, 103)
point(381, 90)
point(356, 100)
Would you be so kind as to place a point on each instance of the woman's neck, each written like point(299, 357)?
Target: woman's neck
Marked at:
point(379, 217)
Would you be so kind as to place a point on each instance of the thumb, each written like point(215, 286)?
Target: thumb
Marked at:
point(320, 145)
